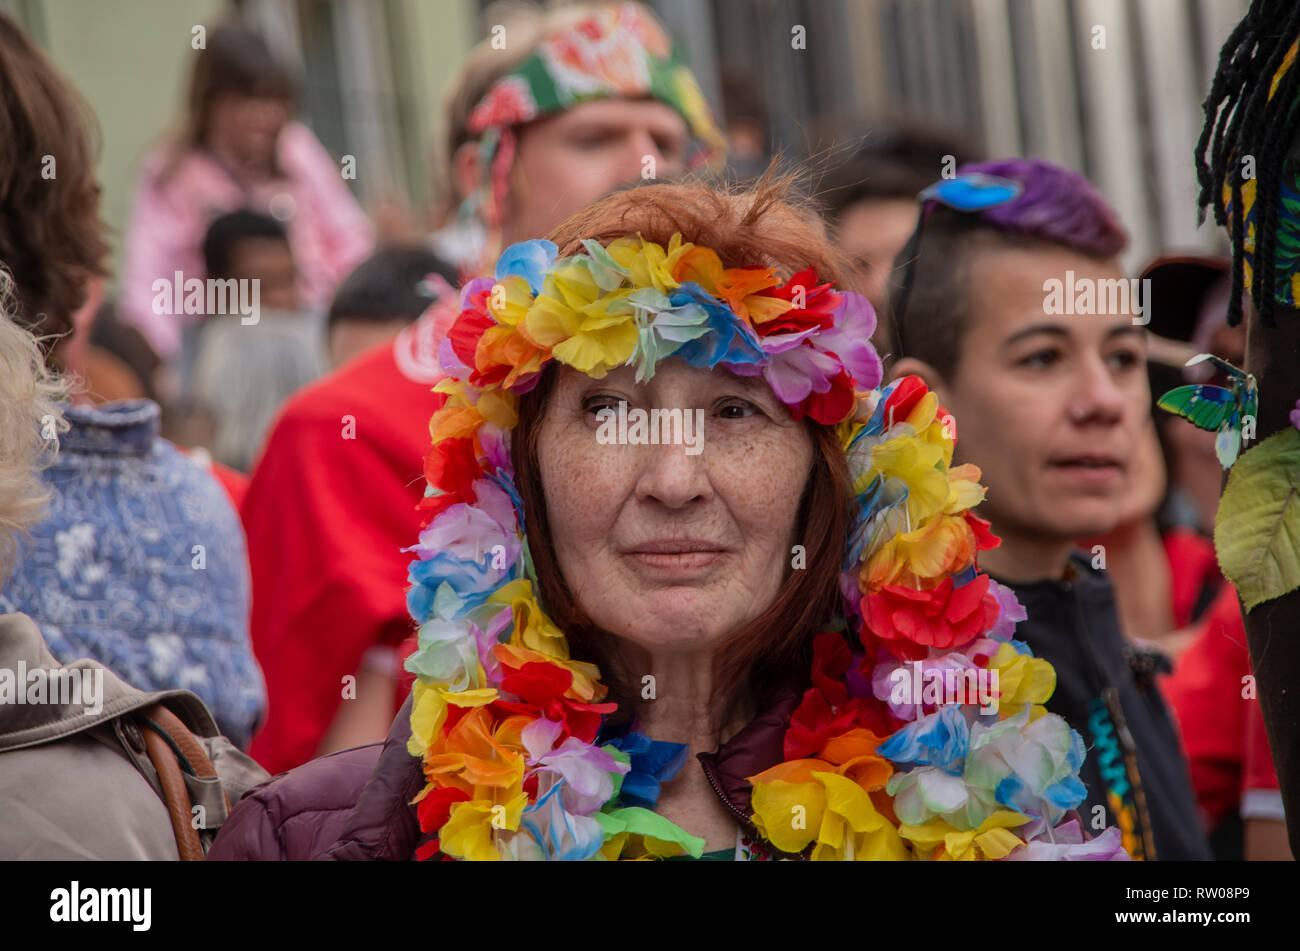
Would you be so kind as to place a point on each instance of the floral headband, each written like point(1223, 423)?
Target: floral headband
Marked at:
point(510, 727)
point(619, 51)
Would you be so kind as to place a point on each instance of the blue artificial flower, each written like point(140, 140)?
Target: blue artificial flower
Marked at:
point(562, 836)
point(449, 587)
point(730, 340)
point(528, 259)
point(940, 739)
point(652, 762)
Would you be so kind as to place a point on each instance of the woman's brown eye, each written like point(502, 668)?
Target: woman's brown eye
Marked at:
point(595, 404)
point(1041, 358)
point(737, 410)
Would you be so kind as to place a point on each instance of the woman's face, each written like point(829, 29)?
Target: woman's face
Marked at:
point(667, 548)
point(247, 128)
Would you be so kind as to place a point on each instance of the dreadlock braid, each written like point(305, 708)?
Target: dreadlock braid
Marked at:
point(1241, 119)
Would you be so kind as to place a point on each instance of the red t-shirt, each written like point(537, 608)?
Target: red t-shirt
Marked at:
point(1220, 718)
point(331, 504)
point(1193, 572)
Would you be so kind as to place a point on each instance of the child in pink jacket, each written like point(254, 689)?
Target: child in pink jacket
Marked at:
point(240, 149)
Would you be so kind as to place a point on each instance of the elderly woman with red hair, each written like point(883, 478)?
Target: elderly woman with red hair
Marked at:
point(691, 584)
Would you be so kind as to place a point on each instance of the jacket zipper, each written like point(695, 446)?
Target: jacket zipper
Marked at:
point(743, 819)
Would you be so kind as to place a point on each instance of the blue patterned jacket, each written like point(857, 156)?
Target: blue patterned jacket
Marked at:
point(141, 565)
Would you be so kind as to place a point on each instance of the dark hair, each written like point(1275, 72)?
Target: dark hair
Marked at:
point(762, 226)
point(389, 284)
point(894, 159)
point(51, 237)
point(929, 294)
point(225, 232)
point(236, 60)
point(125, 342)
point(1241, 118)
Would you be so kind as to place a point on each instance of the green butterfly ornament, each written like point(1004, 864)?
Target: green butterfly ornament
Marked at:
point(1229, 411)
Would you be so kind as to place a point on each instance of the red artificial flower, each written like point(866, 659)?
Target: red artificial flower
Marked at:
point(818, 310)
point(832, 406)
point(452, 466)
point(984, 539)
point(541, 688)
point(435, 808)
point(909, 391)
point(466, 331)
point(815, 723)
point(909, 621)
point(831, 658)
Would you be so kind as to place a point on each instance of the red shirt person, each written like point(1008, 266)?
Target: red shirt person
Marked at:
point(333, 498)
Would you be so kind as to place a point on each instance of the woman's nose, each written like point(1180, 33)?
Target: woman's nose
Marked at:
point(1099, 397)
point(672, 476)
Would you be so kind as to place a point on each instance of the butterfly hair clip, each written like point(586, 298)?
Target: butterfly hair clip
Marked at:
point(1230, 411)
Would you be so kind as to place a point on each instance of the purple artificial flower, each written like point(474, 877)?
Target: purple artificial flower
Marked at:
point(1010, 611)
point(1068, 845)
point(850, 340)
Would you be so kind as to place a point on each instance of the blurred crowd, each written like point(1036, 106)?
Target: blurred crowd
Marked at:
point(243, 410)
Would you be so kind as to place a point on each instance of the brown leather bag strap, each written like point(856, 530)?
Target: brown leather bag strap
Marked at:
point(189, 744)
point(175, 795)
point(164, 735)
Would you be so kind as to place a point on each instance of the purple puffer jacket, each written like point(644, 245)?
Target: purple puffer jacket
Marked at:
point(355, 805)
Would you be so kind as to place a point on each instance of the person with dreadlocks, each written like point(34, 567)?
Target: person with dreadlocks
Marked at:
point(1248, 166)
point(583, 100)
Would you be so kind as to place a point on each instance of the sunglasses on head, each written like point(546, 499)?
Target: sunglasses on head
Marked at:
point(969, 192)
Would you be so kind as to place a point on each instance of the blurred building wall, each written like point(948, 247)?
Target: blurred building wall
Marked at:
point(1112, 88)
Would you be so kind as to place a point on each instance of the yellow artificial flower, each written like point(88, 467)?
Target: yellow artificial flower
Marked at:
point(428, 713)
point(1022, 680)
point(533, 629)
point(509, 300)
point(584, 327)
point(991, 840)
point(852, 829)
point(468, 832)
point(919, 465)
point(964, 489)
point(941, 546)
point(648, 263)
point(829, 809)
point(788, 814)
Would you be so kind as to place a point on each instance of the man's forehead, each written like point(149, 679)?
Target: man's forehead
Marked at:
point(623, 113)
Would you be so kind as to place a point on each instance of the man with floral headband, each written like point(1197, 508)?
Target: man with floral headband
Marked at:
point(1248, 159)
point(580, 101)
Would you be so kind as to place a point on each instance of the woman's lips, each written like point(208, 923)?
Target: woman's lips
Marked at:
point(1090, 470)
point(676, 558)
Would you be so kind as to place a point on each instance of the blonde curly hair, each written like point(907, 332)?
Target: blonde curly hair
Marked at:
point(30, 420)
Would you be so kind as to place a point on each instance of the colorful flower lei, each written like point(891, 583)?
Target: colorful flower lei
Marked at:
point(507, 722)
